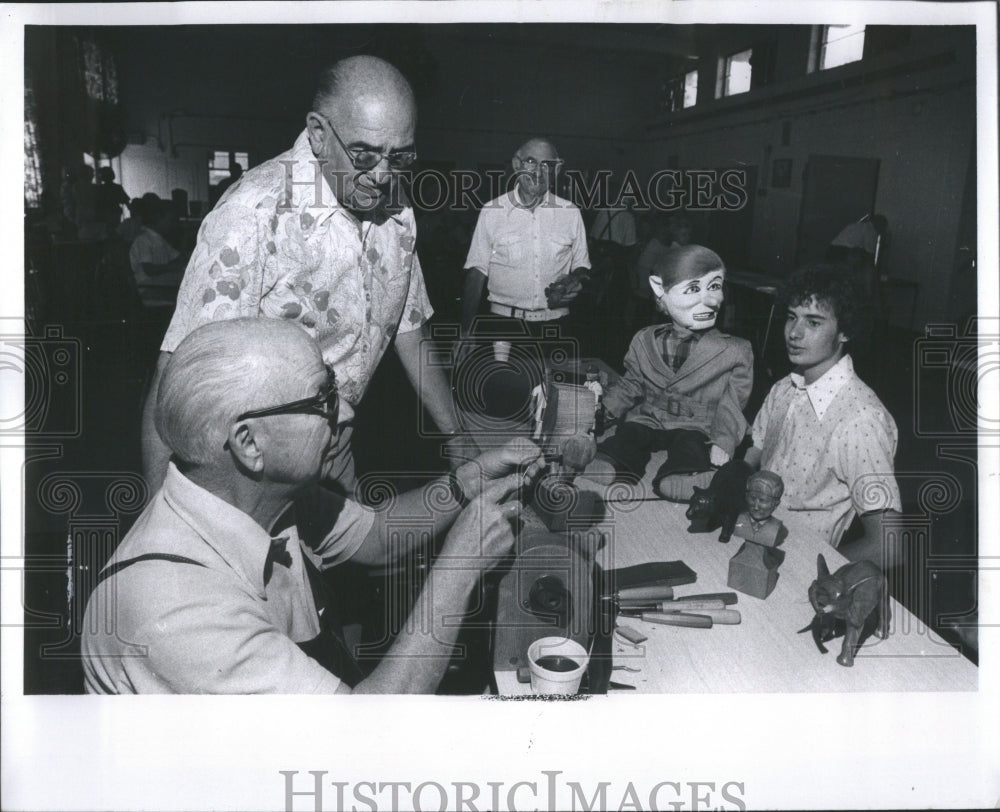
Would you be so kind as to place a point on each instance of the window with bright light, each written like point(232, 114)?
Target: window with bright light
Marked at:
point(681, 92)
point(32, 155)
point(841, 44)
point(220, 161)
point(690, 88)
point(735, 74)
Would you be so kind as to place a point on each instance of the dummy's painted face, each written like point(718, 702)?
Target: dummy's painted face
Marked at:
point(692, 303)
point(761, 501)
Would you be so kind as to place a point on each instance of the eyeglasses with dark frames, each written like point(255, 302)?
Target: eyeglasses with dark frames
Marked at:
point(364, 159)
point(530, 163)
point(325, 403)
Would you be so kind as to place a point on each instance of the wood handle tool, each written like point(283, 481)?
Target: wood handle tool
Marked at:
point(678, 619)
point(726, 617)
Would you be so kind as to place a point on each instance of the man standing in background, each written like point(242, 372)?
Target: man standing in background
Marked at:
point(529, 249)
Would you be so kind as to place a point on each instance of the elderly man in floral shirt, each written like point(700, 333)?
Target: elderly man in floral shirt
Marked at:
point(321, 235)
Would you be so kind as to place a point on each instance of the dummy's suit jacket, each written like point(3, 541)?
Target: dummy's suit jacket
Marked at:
point(708, 393)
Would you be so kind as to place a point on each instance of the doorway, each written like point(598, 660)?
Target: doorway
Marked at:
point(836, 190)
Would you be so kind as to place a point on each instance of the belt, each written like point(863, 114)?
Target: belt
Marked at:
point(528, 315)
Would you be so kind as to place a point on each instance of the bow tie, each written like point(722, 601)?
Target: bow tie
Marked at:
point(277, 554)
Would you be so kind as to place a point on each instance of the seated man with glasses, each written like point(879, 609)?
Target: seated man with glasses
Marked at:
point(529, 249)
point(216, 588)
point(323, 236)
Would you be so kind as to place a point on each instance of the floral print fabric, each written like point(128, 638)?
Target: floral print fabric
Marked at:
point(278, 245)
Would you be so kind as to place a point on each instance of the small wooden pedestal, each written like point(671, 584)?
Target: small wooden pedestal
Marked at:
point(754, 569)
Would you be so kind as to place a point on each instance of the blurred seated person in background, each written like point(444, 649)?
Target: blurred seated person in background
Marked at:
point(685, 384)
point(130, 227)
point(158, 267)
point(528, 251)
point(216, 588)
point(216, 192)
point(110, 198)
point(79, 203)
point(821, 429)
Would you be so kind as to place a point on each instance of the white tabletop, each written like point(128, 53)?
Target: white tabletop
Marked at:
point(765, 653)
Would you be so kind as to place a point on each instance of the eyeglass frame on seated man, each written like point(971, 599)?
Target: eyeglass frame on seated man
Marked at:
point(325, 404)
point(407, 155)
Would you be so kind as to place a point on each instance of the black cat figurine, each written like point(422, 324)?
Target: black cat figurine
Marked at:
point(721, 502)
point(856, 595)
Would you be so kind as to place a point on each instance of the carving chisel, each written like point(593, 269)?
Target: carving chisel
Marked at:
point(727, 617)
point(678, 619)
point(642, 593)
point(670, 606)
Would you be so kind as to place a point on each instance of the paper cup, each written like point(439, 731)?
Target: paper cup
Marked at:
point(557, 665)
point(501, 351)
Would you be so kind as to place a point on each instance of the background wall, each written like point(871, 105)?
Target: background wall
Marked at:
point(598, 92)
point(482, 91)
point(913, 110)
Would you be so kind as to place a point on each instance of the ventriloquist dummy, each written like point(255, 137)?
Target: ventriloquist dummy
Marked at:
point(685, 383)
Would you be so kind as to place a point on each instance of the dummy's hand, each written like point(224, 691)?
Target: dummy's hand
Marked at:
point(718, 456)
point(484, 530)
point(520, 455)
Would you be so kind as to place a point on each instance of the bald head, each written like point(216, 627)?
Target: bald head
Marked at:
point(539, 148)
point(225, 368)
point(363, 107)
point(363, 80)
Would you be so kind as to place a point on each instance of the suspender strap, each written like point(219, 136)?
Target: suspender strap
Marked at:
point(329, 648)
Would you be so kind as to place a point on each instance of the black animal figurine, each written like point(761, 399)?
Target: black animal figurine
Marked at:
point(853, 601)
point(721, 502)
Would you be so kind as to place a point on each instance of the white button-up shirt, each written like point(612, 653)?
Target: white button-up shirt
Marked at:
point(832, 443)
point(522, 251)
point(168, 627)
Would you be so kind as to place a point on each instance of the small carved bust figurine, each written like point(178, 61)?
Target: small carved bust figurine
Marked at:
point(754, 569)
point(763, 494)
